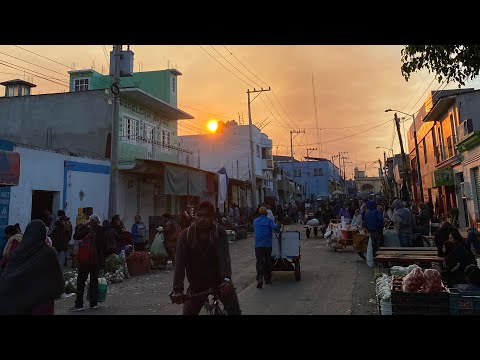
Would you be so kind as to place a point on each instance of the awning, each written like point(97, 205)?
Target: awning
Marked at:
point(184, 181)
point(440, 108)
point(151, 102)
point(9, 167)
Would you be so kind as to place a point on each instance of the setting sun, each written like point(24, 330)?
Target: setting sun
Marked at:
point(212, 125)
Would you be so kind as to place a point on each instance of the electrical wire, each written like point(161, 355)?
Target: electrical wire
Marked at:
point(254, 82)
point(214, 58)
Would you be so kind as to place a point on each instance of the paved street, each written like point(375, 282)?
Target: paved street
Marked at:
point(336, 283)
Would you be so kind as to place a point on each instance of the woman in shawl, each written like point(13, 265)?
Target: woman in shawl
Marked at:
point(33, 277)
point(12, 232)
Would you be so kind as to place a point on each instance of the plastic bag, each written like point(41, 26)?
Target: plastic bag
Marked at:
point(370, 259)
point(391, 239)
point(158, 248)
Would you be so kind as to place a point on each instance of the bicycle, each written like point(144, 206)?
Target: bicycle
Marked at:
point(212, 306)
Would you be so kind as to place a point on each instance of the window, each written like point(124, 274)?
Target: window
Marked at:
point(131, 129)
point(9, 91)
point(258, 151)
point(318, 172)
point(165, 138)
point(297, 172)
point(174, 79)
point(81, 84)
point(266, 153)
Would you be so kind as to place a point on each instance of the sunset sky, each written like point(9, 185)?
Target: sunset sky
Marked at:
point(353, 86)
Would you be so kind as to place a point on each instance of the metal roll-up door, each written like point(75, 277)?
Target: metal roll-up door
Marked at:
point(147, 202)
point(160, 202)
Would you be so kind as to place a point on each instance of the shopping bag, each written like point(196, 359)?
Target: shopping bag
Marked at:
point(102, 289)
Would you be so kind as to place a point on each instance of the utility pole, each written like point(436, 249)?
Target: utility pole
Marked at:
point(406, 181)
point(417, 155)
point(112, 208)
point(291, 149)
point(253, 178)
point(319, 139)
point(308, 168)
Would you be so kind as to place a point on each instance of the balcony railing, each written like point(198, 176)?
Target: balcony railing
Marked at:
point(465, 129)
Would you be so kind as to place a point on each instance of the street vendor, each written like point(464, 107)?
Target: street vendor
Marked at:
point(357, 218)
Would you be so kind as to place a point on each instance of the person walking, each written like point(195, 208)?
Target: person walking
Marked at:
point(262, 228)
point(139, 234)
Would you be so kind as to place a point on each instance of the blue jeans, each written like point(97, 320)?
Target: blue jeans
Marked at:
point(61, 258)
point(405, 239)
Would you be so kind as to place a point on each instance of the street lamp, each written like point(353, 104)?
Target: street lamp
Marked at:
point(419, 172)
point(382, 147)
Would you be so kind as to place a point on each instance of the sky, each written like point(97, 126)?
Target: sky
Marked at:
point(353, 87)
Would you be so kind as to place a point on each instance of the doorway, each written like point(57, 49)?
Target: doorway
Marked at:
point(42, 201)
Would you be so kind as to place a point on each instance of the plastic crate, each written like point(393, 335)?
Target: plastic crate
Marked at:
point(420, 303)
point(464, 302)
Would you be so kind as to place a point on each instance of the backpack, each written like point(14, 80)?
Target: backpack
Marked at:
point(87, 251)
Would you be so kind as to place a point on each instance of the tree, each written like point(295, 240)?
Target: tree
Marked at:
point(458, 63)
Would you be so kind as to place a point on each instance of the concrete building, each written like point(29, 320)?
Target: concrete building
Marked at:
point(448, 125)
point(229, 148)
point(46, 180)
point(317, 176)
point(78, 122)
point(367, 184)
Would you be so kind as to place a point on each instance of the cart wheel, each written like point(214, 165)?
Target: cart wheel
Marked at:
point(298, 276)
point(307, 231)
point(362, 254)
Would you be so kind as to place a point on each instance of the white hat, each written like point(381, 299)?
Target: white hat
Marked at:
point(160, 229)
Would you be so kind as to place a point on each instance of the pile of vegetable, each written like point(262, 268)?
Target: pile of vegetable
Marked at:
point(383, 287)
point(401, 271)
point(114, 277)
point(429, 281)
point(138, 263)
point(70, 281)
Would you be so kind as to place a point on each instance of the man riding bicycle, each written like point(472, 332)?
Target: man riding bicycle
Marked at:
point(203, 254)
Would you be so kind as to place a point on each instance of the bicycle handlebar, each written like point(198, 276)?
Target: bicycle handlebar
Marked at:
point(211, 291)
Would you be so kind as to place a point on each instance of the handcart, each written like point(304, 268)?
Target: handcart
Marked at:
point(286, 252)
point(340, 238)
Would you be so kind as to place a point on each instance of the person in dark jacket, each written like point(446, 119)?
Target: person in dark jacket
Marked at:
point(263, 227)
point(139, 234)
point(404, 223)
point(93, 230)
point(373, 220)
point(442, 235)
point(473, 238)
point(328, 214)
point(472, 278)
point(112, 240)
point(59, 239)
point(203, 254)
point(33, 278)
point(457, 257)
point(424, 220)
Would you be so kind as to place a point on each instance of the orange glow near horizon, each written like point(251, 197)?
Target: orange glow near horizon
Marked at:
point(212, 126)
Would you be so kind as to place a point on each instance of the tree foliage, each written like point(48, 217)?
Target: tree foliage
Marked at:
point(458, 63)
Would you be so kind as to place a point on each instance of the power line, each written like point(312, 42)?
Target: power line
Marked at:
point(234, 66)
point(231, 53)
point(69, 67)
point(348, 136)
point(28, 62)
point(224, 66)
point(34, 74)
point(106, 57)
point(225, 116)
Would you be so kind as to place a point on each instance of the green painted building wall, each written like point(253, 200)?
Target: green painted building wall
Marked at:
point(155, 83)
point(131, 149)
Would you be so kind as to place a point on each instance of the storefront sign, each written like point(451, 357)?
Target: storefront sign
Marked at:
point(443, 177)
